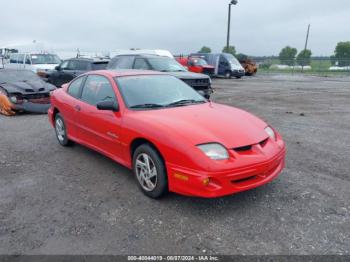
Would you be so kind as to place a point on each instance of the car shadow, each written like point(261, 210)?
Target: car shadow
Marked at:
point(194, 205)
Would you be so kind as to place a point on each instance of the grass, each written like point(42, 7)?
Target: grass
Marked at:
point(318, 67)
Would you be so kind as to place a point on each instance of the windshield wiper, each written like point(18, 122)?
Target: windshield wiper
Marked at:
point(147, 106)
point(186, 102)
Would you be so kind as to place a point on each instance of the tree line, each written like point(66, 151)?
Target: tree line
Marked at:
point(290, 56)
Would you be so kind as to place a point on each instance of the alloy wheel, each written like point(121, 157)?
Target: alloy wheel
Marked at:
point(60, 130)
point(146, 172)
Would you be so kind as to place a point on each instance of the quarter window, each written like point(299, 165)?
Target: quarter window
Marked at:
point(97, 89)
point(74, 88)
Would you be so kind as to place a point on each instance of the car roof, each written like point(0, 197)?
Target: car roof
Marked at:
point(93, 60)
point(125, 72)
point(143, 55)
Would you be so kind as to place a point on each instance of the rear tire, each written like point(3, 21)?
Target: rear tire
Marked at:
point(150, 171)
point(61, 131)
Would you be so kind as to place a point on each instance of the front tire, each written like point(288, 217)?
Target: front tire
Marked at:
point(228, 75)
point(150, 171)
point(61, 131)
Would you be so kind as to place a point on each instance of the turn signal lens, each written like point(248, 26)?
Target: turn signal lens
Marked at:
point(206, 181)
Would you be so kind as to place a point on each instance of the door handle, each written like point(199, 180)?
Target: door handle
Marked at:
point(77, 108)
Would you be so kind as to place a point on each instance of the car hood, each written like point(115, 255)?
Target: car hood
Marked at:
point(45, 67)
point(28, 87)
point(188, 75)
point(209, 122)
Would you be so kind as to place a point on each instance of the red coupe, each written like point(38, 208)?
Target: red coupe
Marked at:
point(173, 138)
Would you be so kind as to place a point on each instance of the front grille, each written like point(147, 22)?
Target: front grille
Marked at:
point(36, 96)
point(243, 148)
point(197, 82)
point(263, 143)
point(249, 147)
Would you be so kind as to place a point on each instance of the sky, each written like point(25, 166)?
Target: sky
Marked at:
point(258, 27)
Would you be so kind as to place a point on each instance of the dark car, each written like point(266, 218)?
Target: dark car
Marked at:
point(225, 64)
point(71, 68)
point(23, 90)
point(200, 82)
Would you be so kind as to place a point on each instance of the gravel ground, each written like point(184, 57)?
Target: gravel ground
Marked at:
point(56, 200)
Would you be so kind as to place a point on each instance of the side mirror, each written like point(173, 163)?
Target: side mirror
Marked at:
point(108, 105)
point(57, 68)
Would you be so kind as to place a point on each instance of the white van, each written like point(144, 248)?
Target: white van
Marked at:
point(34, 62)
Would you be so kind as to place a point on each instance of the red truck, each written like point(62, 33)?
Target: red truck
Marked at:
point(196, 65)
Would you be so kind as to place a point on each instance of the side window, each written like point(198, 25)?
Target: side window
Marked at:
point(78, 65)
point(64, 65)
point(13, 58)
point(140, 63)
point(97, 89)
point(20, 58)
point(28, 60)
point(122, 62)
point(223, 61)
point(74, 87)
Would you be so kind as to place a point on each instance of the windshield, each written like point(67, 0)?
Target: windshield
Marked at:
point(12, 76)
point(165, 64)
point(45, 59)
point(151, 91)
point(199, 62)
point(232, 59)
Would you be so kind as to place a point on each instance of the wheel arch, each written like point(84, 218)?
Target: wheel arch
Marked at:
point(140, 141)
point(55, 112)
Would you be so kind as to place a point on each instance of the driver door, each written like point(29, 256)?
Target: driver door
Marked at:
point(99, 129)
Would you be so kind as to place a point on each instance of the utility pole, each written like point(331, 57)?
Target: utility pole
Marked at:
point(233, 2)
point(306, 41)
point(307, 37)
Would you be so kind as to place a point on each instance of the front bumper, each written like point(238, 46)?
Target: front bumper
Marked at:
point(32, 107)
point(238, 73)
point(193, 183)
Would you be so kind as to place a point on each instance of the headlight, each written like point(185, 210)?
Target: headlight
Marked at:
point(214, 151)
point(270, 132)
point(13, 99)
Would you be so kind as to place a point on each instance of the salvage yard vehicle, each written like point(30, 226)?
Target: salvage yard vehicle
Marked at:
point(249, 66)
point(200, 82)
point(39, 63)
point(196, 65)
point(23, 91)
point(170, 136)
point(225, 64)
point(71, 68)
